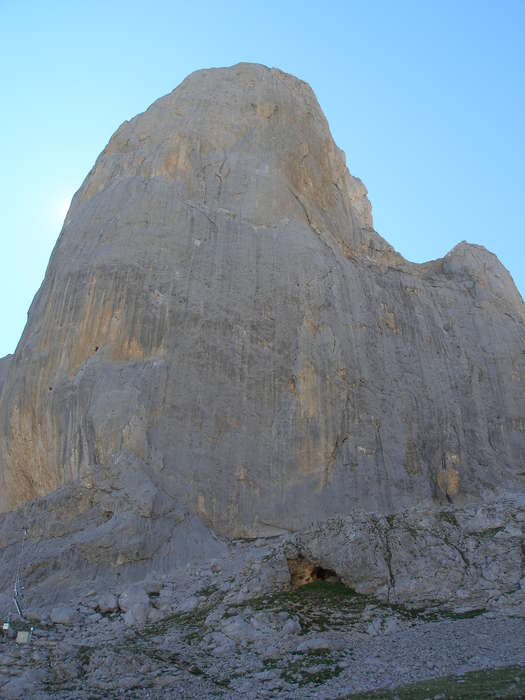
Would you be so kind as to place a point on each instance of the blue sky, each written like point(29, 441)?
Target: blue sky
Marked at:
point(426, 98)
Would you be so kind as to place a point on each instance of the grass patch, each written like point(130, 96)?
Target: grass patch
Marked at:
point(189, 620)
point(508, 682)
point(144, 648)
point(315, 667)
point(83, 657)
point(318, 591)
point(318, 606)
point(161, 627)
point(207, 591)
point(324, 605)
point(448, 517)
point(491, 531)
point(422, 615)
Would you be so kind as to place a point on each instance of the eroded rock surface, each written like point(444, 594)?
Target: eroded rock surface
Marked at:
point(255, 451)
point(220, 316)
point(452, 558)
point(385, 601)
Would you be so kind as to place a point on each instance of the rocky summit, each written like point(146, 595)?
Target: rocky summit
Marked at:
point(252, 448)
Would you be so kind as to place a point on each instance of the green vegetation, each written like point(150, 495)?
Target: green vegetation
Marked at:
point(508, 682)
point(448, 517)
point(207, 591)
point(318, 606)
point(316, 666)
point(324, 605)
point(83, 656)
point(192, 622)
point(490, 532)
point(140, 647)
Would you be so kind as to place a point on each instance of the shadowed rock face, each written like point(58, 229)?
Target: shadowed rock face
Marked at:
point(220, 315)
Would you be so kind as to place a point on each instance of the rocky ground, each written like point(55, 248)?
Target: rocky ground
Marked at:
point(320, 641)
point(244, 625)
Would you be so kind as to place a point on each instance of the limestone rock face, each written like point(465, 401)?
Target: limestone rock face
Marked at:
point(4, 366)
point(220, 323)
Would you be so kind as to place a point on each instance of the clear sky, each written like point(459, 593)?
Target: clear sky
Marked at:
point(427, 99)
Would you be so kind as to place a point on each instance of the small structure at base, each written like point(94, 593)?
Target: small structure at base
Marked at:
point(24, 636)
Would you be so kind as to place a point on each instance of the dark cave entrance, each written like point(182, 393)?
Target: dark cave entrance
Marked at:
point(303, 571)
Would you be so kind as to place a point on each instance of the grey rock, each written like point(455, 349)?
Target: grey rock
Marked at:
point(165, 595)
point(221, 645)
point(291, 627)
point(155, 615)
point(240, 631)
point(188, 604)
point(166, 681)
point(135, 595)
point(137, 614)
point(22, 686)
point(152, 588)
point(320, 644)
point(94, 618)
point(177, 658)
point(374, 628)
point(271, 651)
point(4, 368)
point(420, 557)
point(215, 616)
point(107, 603)
point(63, 615)
point(219, 303)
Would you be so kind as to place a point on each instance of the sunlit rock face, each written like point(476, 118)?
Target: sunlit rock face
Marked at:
point(219, 314)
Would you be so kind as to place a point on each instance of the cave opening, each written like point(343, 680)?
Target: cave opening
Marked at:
point(304, 571)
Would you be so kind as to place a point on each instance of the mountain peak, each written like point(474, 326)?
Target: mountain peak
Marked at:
point(220, 316)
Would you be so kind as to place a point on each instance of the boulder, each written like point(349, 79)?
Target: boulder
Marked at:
point(137, 614)
point(63, 615)
point(135, 595)
point(291, 627)
point(108, 603)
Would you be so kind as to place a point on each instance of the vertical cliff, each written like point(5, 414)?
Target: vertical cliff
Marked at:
point(219, 313)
